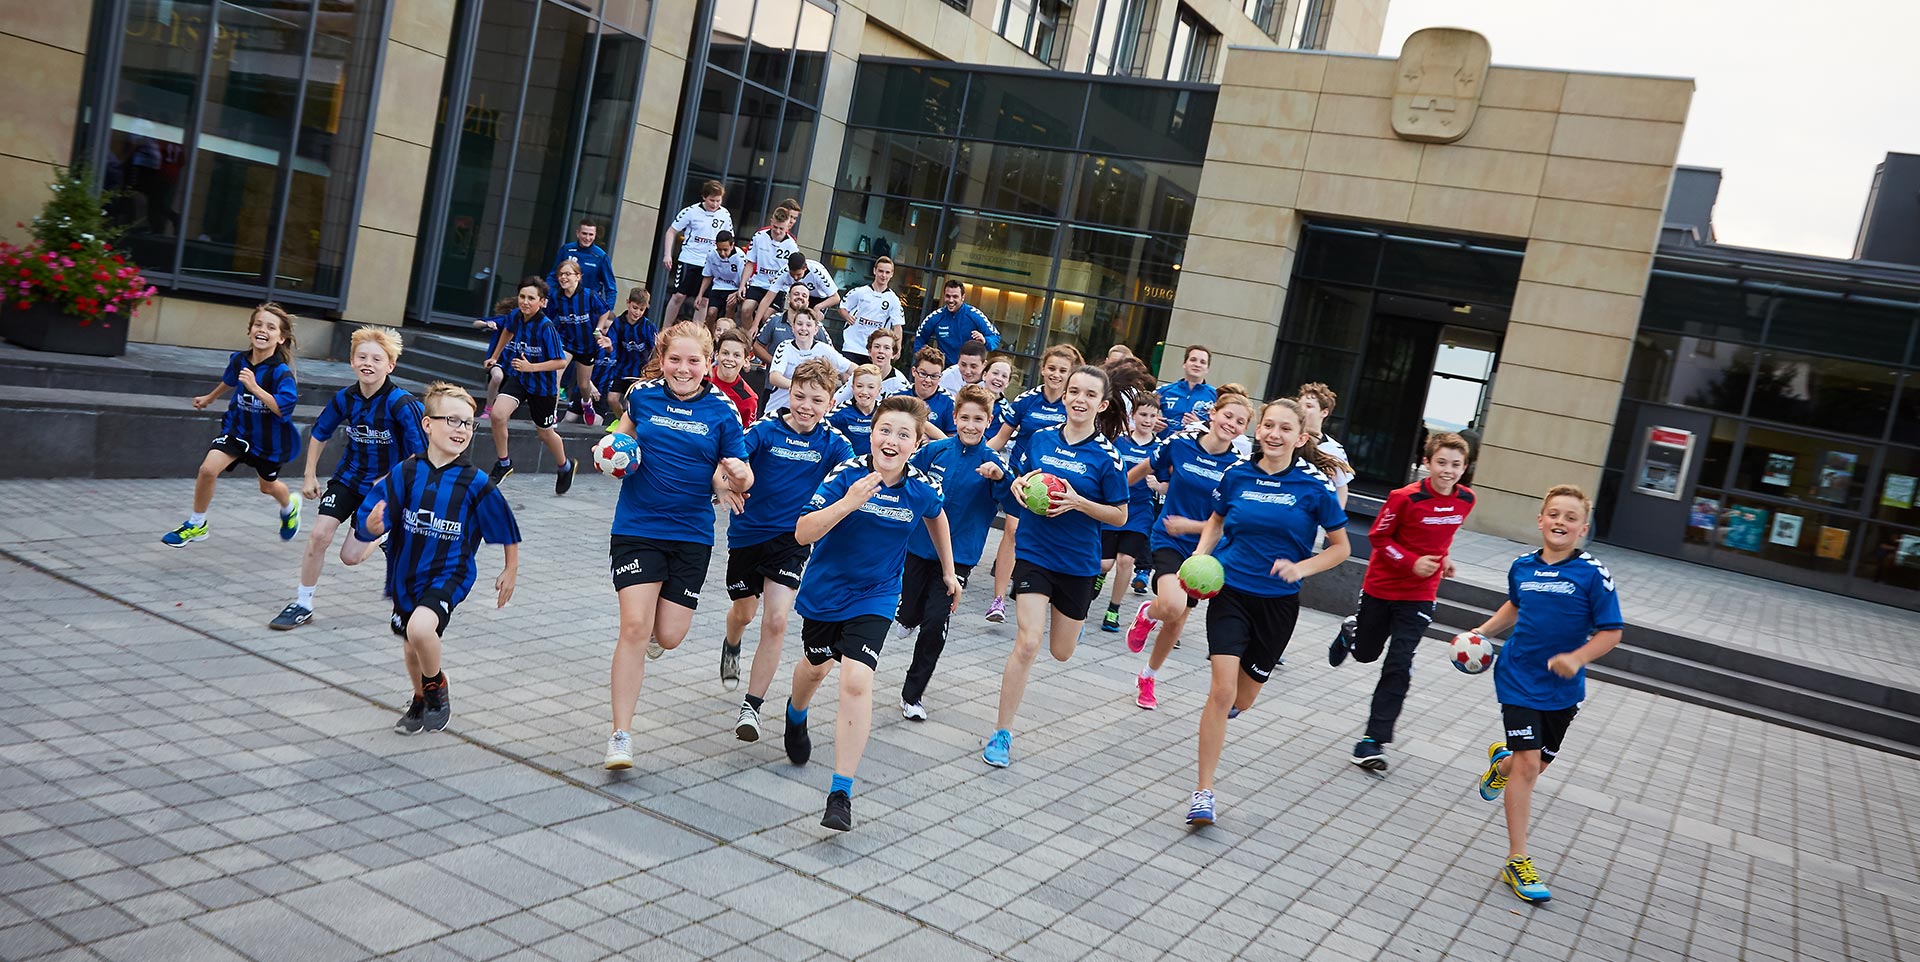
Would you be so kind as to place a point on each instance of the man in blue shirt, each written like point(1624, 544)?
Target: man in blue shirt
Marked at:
point(596, 265)
point(955, 323)
point(1188, 401)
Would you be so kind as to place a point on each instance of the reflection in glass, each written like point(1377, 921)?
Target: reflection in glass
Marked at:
point(627, 15)
point(774, 24)
point(318, 223)
point(874, 226)
point(609, 122)
point(753, 135)
point(1889, 565)
point(1142, 194)
point(537, 203)
point(1450, 270)
point(1023, 180)
point(713, 124)
point(1672, 369)
point(1094, 325)
point(1832, 324)
point(463, 278)
point(906, 97)
point(1023, 110)
point(1122, 264)
point(727, 47)
point(1822, 393)
point(899, 164)
point(1018, 311)
point(1327, 315)
point(1151, 122)
point(153, 104)
point(1012, 248)
point(810, 53)
point(1906, 421)
point(1703, 306)
point(796, 133)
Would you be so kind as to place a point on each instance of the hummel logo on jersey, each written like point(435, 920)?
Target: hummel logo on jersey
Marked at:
point(1546, 574)
point(1443, 510)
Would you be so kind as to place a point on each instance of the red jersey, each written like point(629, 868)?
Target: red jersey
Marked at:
point(1415, 522)
point(742, 397)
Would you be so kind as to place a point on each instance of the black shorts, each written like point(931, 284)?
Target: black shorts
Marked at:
point(542, 409)
point(339, 501)
point(619, 386)
point(439, 601)
point(754, 294)
point(1166, 563)
point(1071, 595)
point(584, 353)
point(1536, 729)
point(779, 560)
point(858, 638)
point(686, 280)
point(1115, 542)
point(678, 567)
point(243, 454)
point(717, 297)
point(857, 358)
point(1251, 628)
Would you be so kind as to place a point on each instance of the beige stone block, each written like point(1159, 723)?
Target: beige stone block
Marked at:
point(23, 191)
point(1386, 159)
point(1244, 301)
point(836, 97)
point(1224, 333)
point(1575, 309)
point(1264, 107)
point(1222, 181)
point(849, 28)
point(425, 25)
point(1523, 89)
point(1507, 514)
point(1600, 225)
point(1275, 69)
point(829, 136)
point(1509, 171)
point(1638, 98)
point(1585, 398)
point(1593, 268)
point(145, 323)
point(1567, 350)
point(48, 79)
point(1607, 182)
point(1230, 368)
point(660, 91)
point(1263, 146)
point(1473, 211)
point(392, 190)
point(1549, 434)
point(412, 78)
point(1359, 116)
point(1502, 128)
point(672, 25)
point(1254, 224)
point(1613, 138)
point(193, 323)
point(1359, 75)
point(646, 164)
point(62, 25)
point(1528, 476)
point(1362, 197)
point(885, 11)
point(1231, 257)
point(633, 257)
point(382, 275)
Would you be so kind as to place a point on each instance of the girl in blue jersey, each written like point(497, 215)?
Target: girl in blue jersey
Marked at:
point(257, 430)
point(1191, 464)
point(577, 313)
point(1266, 514)
point(1039, 408)
point(690, 442)
point(626, 344)
point(790, 452)
point(998, 374)
point(973, 479)
point(861, 517)
point(855, 418)
point(1121, 547)
point(529, 349)
point(1057, 554)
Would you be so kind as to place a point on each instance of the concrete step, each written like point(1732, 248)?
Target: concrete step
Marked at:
point(75, 374)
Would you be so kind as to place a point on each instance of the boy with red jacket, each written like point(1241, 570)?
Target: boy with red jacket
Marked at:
point(1410, 539)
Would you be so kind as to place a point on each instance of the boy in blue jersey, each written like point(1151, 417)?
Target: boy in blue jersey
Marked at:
point(973, 479)
point(438, 508)
point(1122, 547)
point(1565, 615)
point(790, 451)
point(626, 344)
point(578, 312)
point(926, 386)
point(383, 428)
point(861, 517)
point(854, 418)
point(257, 430)
point(1038, 408)
point(529, 348)
point(1264, 518)
point(1187, 402)
point(953, 324)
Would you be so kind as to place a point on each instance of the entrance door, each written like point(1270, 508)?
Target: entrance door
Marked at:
point(1386, 420)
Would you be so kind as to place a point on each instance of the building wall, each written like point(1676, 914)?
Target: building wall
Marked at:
point(44, 47)
point(1575, 164)
point(636, 245)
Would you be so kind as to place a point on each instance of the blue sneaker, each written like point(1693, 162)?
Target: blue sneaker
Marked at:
point(1342, 641)
point(187, 533)
point(1139, 585)
point(1520, 875)
point(1201, 811)
point(1492, 782)
point(1368, 754)
point(998, 749)
point(290, 518)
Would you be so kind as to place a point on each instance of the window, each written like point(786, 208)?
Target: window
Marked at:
point(1037, 26)
point(1195, 48)
point(1823, 394)
point(1265, 14)
point(1122, 32)
point(1308, 30)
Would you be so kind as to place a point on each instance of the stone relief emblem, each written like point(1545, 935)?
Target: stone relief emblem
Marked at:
point(1436, 90)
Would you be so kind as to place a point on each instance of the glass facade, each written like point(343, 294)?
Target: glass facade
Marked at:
point(1037, 26)
point(236, 131)
point(1062, 204)
point(1195, 49)
point(1122, 32)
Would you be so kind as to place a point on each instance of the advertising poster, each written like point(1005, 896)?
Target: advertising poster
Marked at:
point(1779, 470)
point(1833, 543)
point(1706, 511)
point(1786, 530)
point(1908, 555)
point(1745, 527)
point(1836, 476)
point(1897, 492)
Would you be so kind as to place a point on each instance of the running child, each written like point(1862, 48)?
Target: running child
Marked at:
point(496, 327)
point(626, 344)
point(998, 375)
point(854, 417)
point(1035, 410)
point(257, 430)
point(1057, 554)
point(926, 386)
point(1265, 516)
point(1190, 463)
point(578, 312)
point(1565, 615)
point(790, 451)
point(767, 255)
point(861, 518)
point(802, 271)
point(720, 283)
point(1411, 539)
point(805, 346)
point(883, 347)
point(1317, 400)
point(973, 479)
point(697, 225)
point(438, 509)
point(383, 428)
point(1122, 547)
point(869, 310)
point(662, 538)
point(529, 349)
point(729, 362)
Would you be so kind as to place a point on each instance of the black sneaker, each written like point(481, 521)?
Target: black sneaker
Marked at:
point(439, 708)
point(291, 617)
point(563, 480)
point(1342, 642)
point(1368, 754)
point(799, 743)
point(729, 666)
point(839, 815)
point(502, 470)
point(410, 721)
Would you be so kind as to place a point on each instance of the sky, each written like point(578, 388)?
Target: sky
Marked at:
point(1794, 101)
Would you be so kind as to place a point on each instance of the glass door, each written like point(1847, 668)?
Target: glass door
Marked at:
point(1387, 413)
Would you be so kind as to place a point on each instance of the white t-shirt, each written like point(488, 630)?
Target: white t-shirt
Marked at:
point(871, 310)
point(1329, 446)
point(951, 383)
point(788, 357)
point(725, 271)
point(894, 383)
point(816, 279)
point(770, 257)
point(698, 227)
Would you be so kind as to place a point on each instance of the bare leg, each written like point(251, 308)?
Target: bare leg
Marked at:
point(807, 677)
point(423, 642)
point(739, 616)
point(413, 667)
point(1122, 576)
point(1003, 559)
point(773, 636)
point(495, 375)
point(1170, 630)
point(503, 408)
point(1064, 635)
point(1030, 615)
point(551, 439)
point(637, 607)
point(210, 469)
point(670, 624)
point(1522, 770)
point(1213, 716)
point(672, 316)
point(318, 541)
point(277, 490)
point(856, 717)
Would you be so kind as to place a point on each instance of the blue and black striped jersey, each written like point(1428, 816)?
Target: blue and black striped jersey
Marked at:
point(435, 520)
point(536, 339)
point(382, 431)
point(575, 316)
point(632, 346)
point(268, 436)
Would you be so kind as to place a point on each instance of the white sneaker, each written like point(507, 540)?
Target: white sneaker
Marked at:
point(747, 729)
point(619, 752)
point(912, 712)
point(902, 632)
point(654, 650)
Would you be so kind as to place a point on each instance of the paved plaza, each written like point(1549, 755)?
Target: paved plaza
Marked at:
point(181, 783)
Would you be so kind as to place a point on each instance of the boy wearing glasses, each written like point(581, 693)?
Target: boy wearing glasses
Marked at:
point(437, 508)
point(928, 365)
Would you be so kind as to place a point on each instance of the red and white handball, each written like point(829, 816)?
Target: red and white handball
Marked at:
point(1470, 652)
point(616, 455)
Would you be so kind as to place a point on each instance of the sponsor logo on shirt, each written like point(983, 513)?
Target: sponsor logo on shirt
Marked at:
point(368, 434)
point(1443, 519)
point(1065, 464)
point(789, 454)
point(684, 427)
point(1266, 497)
point(1550, 587)
point(899, 513)
point(421, 521)
point(1209, 473)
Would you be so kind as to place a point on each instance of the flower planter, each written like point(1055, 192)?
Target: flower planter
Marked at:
point(45, 328)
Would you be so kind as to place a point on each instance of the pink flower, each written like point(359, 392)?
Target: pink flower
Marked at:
point(111, 309)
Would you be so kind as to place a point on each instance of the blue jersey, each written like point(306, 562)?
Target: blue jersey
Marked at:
point(669, 496)
point(1178, 398)
point(435, 519)
point(1140, 514)
point(1069, 543)
point(575, 316)
point(382, 431)
point(856, 425)
point(596, 269)
point(633, 343)
point(948, 330)
point(1002, 413)
point(1190, 474)
point(537, 340)
point(1269, 517)
point(787, 467)
point(1561, 606)
point(268, 435)
point(856, 567)
point(972, 500)
point(939, 410)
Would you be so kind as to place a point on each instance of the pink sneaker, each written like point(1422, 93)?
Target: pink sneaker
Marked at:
point(587, 414)
point(997, 611)
point(1142, 627)
point(1145, 699)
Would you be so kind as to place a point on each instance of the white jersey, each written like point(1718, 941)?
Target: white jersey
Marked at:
point(894, 383)
point(951, 382)
point(725, 271)
point(871, 310)
point(698, 227)
point(788, 357)
point(1328, 445)
point(769, 256)
point(816, 280)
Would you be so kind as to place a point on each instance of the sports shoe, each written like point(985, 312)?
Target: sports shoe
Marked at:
point(563, 478)
point(1111, 623)
point(410, 720)
point(997, 611)
point(501, 471)
point(747, 729)
point(1142, 627)
point(913, 712)
point(588, 416)
point(729, 666)
point(1099, 582)
point(1368, 754)
point(439, 708)
point(619, 752)
point(999, 750)
point(1492, 783)
point(613, 424)
point(1200, 812)
point(290, 518)
point(1524, 879)
point(903, 632)
point(1139, 585)
point(839, 815)
point(1342, 641)
point(1145, 698)
point(653, 649)
point(187, 532)
point(799, 743)
point(291, 617)
point(1232, 713)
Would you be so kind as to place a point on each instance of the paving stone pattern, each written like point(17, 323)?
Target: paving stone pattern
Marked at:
point(181, 783)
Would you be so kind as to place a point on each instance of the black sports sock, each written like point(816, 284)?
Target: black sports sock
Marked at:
point(755, 701)
point(1114, 608)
